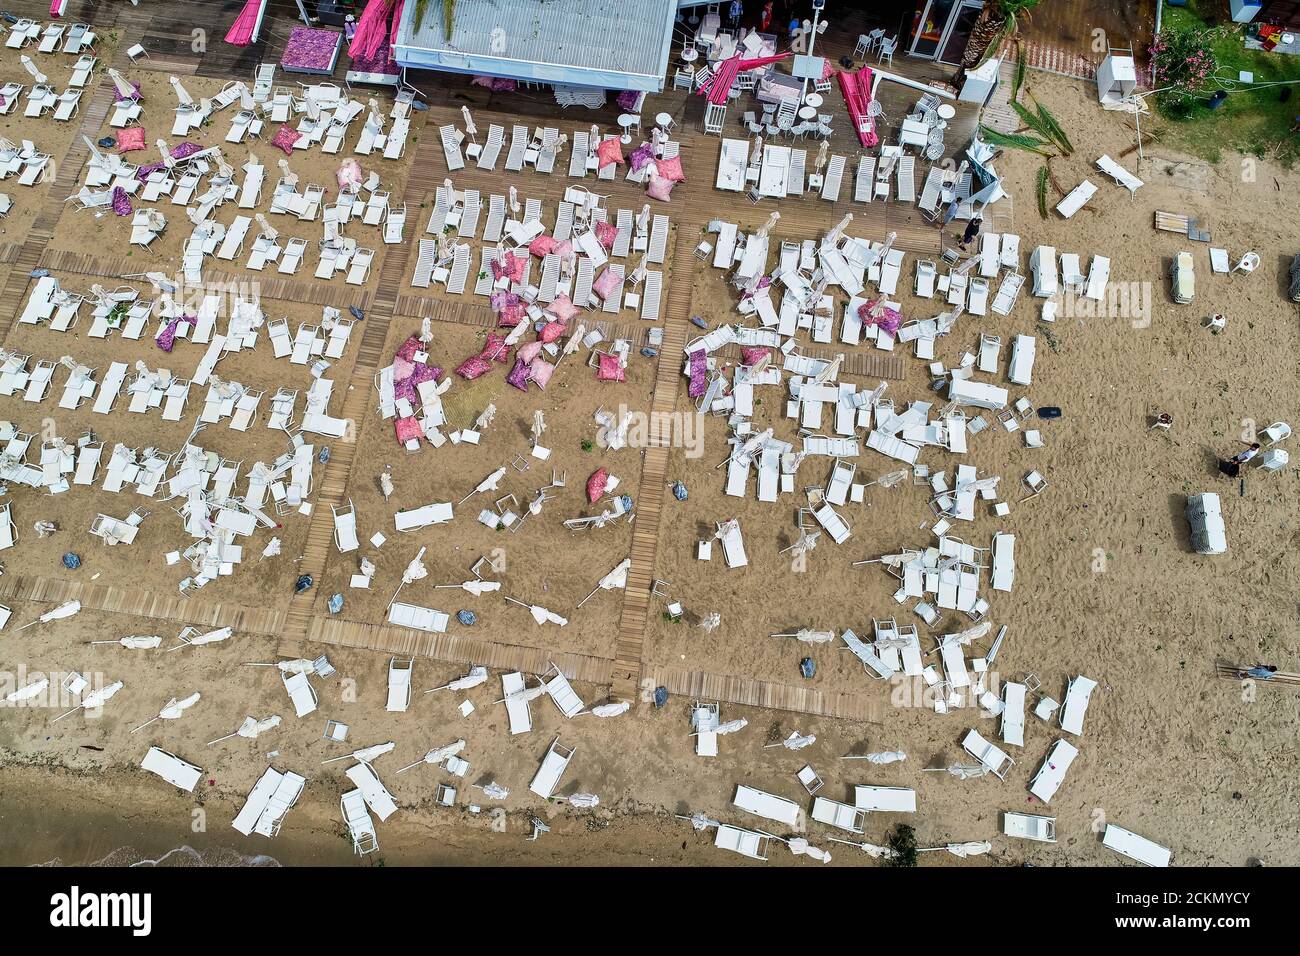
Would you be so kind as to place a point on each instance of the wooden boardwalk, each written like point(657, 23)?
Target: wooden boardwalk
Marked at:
point(141, 603)
point(756, 693)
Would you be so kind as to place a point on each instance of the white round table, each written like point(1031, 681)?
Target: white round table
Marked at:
point(808, 112)
point(947, 111)
point(690, 55)
point(813, 99)
point(626, 120)
point(664, 121)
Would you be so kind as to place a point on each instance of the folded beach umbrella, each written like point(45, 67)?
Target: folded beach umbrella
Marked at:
point(963, 850)
point(94, 699)
point(365, 754)
point(871, 849)
point(125, 91)
point(250, 729)
point(493, 791)
point(438, 755)
point(801, 847)
point(211, 637)
point(613, 581)
point(27, 691)
point(540, 614)
point(731, 726)
point(699, 821)
point(172, 710)
point(886, 756)
point(31, 68)
point(182, 94)
point(476, 588)
point(611, 710)
point(487, 484)
point(67, 609)
point(809, 636)
point(960, 771)
point(470, 129)
point(136, 642)
point(476, 676)
point(583, 800)
point(794, 741)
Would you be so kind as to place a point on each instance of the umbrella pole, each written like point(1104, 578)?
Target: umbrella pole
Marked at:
point(146, 724)
point(395, 593)
point(588, 597)
point(409, 766)
point(68, 714)
point(219, 739)
point(333, 759)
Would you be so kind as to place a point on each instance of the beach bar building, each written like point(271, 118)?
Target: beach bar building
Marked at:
point(594, 44)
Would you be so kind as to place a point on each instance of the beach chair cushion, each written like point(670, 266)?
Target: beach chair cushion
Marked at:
point(671, 169)
point(660, 188)
point(131, 139)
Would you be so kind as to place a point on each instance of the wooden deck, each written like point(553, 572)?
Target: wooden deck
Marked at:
point(1071, 37)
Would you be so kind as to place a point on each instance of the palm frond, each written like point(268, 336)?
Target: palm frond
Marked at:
point(1051, 127)
point(1030, 144)
point(1042, 190)
point(1018, 79)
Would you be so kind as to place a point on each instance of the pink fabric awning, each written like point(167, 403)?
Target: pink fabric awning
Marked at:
point(728, 70)
point(372, 29)
point(397, 21)
point(856, 88)
point(247, 25)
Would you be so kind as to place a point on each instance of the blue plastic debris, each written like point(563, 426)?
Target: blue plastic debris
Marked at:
point(107, 142)
point(39, 273)
point(679, 490)
point(648, 352)
point(324, 455)
point(356, 313)
point(661, 696)
point(626, 502)
point(808, 668)
point(336, 603)
point(698, 322)
point(71, 561)
point(467, 617)
point(303, 583)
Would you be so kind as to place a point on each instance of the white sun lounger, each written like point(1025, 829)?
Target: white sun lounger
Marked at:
point(376, 795)
point(345, 528)
point(256, 802)
point(1004, 562)
point(1029, 826)
point(767, 805)
point(423, 517)
point(1013, 714)
point(552, 769)
point(841, 815)
point(1121, 175)
point(1076, 704)
point(418, 618)
point(563, 694)
point(451, 148)
point(1077, 199)
point(301, 693)
point(745, 842)
point(517, 709)
point(884, 799)
point(1098, 276)
point(1139, 848)
point(1051, 774)
point(179, 773)
point(361, 827)
point(1021, 367)
point(991, 757)
point(399, 684)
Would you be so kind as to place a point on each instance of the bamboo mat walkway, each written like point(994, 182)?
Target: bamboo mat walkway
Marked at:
point(757, 693)
point(141, 603)
point(654, 469)
point(1226, 670)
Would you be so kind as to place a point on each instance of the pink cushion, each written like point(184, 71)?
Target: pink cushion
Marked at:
point(542, 246)
point(129, 139)
point(407, 428)
point(563, 308)
point(473, 367)
point(540, 371)
point(551, 331)
point(495, 349)
point(610, 151)
point(610, 370)
point(529, 351)
point(285, 137)
point(660, 188)
point(671, 169)
point(607, 283)
point(606, 234)
point(564, 249)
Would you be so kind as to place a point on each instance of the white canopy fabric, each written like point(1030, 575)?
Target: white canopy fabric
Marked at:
point(611, 710)
point(28, 691)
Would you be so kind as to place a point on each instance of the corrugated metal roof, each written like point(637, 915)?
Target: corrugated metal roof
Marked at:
point(603, 36)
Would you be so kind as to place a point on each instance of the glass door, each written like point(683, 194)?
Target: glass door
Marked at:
point(954, 46)
point(928, 35)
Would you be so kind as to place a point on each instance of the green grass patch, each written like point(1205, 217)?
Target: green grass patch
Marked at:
point(1254, 121)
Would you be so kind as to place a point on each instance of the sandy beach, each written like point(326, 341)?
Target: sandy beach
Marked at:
point(1107, 583)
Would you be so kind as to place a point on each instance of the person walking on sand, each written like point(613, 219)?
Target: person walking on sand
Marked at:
point(1232, 466)
point(972, 230)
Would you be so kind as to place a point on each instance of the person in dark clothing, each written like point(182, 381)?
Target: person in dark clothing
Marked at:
point(972, 230)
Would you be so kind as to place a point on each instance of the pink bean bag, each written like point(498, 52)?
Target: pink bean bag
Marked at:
point(610, 370)
point(610, 151)
point(671, 169)
point(563, 308)
point(606, 284)
point(542, 246)
point(130, 139)
point(540, 371)
point(660, 188)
